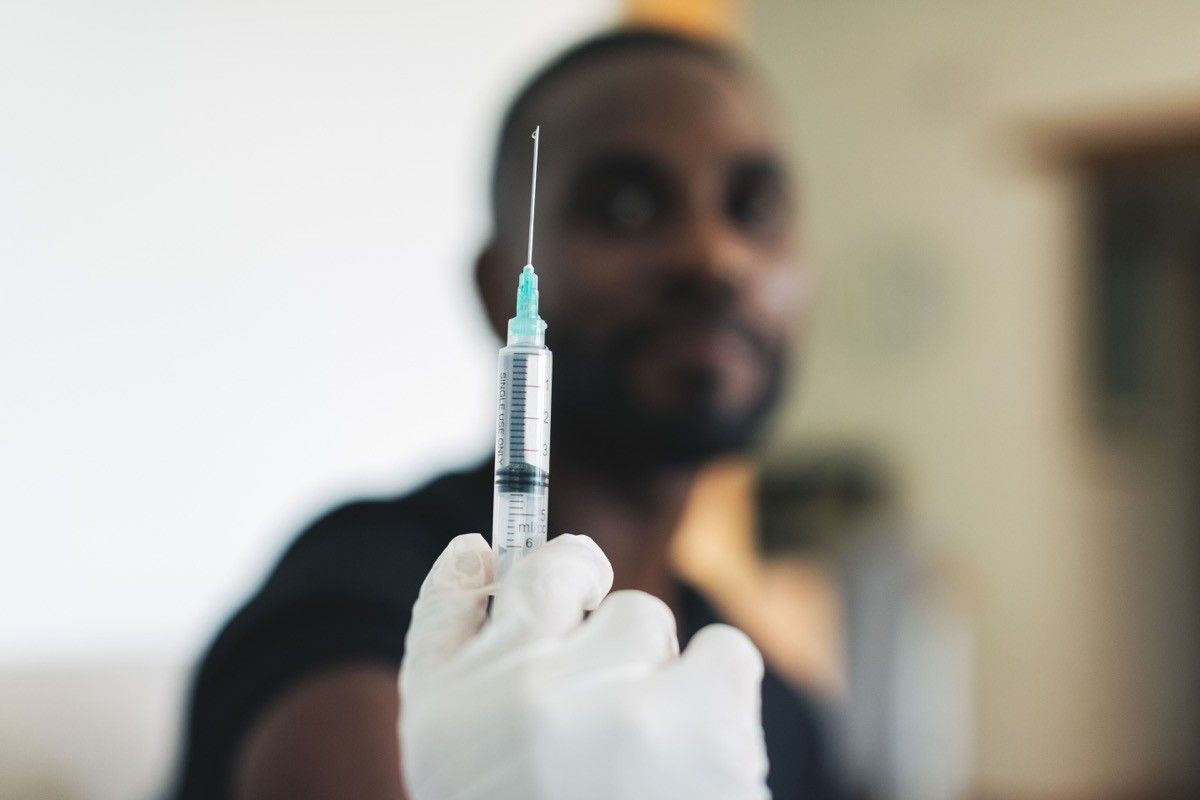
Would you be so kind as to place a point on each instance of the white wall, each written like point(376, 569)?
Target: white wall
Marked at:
point(229, 231)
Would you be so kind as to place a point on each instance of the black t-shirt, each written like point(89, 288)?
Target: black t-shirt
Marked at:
point(343, 592)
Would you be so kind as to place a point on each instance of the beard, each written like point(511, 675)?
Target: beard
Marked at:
point(600, 413)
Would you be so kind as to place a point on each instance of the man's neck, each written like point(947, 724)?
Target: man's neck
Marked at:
point(700, 526)
point(633, 517)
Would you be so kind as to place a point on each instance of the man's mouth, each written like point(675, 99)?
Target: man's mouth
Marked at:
point(703, 344)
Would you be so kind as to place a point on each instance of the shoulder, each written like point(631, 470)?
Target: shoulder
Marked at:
point(341, 593)
point(382, 546)
point(364, 560)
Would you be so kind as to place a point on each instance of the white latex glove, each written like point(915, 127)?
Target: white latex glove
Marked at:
point(538, 704)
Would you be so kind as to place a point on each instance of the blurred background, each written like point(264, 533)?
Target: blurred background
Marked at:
point(224, 225)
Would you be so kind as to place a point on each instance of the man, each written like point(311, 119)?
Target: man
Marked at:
point(669, 283)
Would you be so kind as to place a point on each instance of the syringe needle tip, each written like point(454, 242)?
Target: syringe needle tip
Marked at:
point(535, 131)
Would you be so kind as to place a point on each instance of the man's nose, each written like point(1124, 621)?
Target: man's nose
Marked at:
point(712, 249)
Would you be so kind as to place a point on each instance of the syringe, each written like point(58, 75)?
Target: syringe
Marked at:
point(521, 504)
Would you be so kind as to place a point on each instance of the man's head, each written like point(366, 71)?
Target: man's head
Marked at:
point(664, 242)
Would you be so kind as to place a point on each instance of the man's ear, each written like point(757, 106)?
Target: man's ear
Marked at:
point(495, 295)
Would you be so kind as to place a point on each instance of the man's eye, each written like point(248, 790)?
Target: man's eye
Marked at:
point(620, 208)
point(755, 208)
point(631, 209)
point(757, 204)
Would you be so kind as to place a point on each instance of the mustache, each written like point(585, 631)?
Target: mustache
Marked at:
point(676, 319)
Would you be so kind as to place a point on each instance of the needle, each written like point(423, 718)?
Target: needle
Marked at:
point(533, 191)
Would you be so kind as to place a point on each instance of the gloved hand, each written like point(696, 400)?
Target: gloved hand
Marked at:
point(537, 704)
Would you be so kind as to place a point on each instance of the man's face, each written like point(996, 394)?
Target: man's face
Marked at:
point(665, 246)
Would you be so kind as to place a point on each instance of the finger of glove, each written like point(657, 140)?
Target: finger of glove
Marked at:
point(546, 593)
point(451, 606)
point(722, 666)
point(734, 757)
point(631, 628)
point(718, 679)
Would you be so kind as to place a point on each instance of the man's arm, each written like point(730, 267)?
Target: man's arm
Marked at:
point(331, 736)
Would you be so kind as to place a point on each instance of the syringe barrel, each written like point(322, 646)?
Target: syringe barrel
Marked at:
point(521, 506)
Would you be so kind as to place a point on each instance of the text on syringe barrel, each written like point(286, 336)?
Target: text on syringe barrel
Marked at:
point(519, 516)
